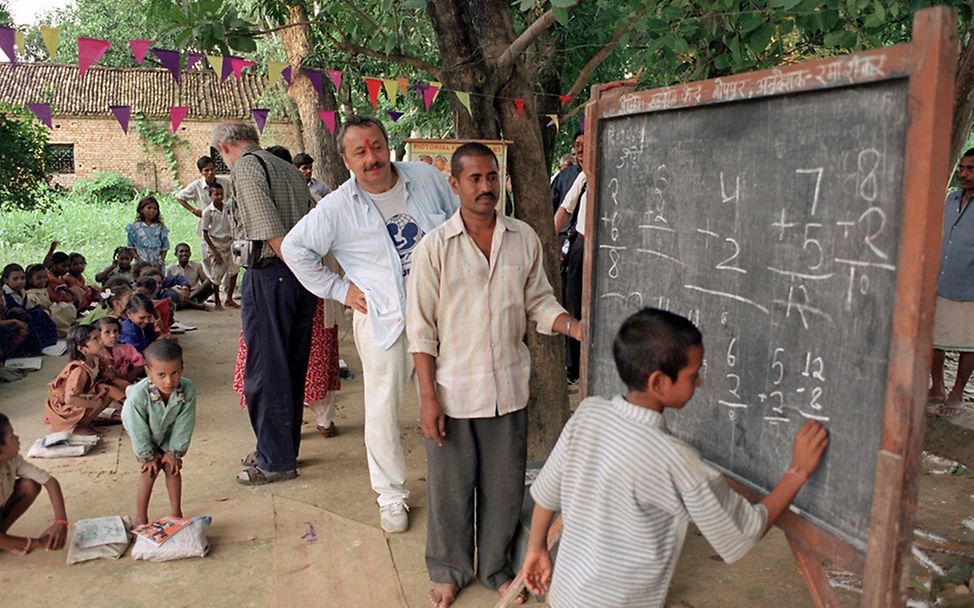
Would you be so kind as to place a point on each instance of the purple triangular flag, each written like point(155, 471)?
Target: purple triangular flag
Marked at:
point(122, 114)
point(581, 124)
point(420, 90)
point(7, 37)
point(192, 59)
point(286, 75)
point(227, 67)
point(394, 115)
point(316, 80)
point(42, 111)
point(260, 117)
point(169, 60)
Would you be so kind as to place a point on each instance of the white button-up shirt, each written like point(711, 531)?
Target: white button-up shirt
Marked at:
point(347, 224)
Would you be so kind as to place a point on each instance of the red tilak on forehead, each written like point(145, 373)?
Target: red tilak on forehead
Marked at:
point(368, 143)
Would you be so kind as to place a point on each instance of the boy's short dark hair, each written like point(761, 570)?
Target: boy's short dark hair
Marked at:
point(186, 245)
point(301, 159)
point(651, 340)
point(59, 257)
point(4, 426)
point(147, 282)
point(163, 351)
point(104, 322)
point(214, 187)
point(203, 161)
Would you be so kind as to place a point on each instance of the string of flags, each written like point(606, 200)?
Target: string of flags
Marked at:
point(91, 50)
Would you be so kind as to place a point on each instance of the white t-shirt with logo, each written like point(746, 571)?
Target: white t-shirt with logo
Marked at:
point(403, 229)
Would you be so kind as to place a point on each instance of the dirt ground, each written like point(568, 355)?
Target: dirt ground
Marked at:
point(248, 564)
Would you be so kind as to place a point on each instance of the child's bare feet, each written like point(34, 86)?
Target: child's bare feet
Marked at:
point(522, 596)
point(232, 304)
point(442, 595)
point(218, 306)
point(140, 521)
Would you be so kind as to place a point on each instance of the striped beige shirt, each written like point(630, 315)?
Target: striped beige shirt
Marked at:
point(627, 490)
point(471, 314)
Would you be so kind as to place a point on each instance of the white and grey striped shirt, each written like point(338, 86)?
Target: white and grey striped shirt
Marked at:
point(627, 490)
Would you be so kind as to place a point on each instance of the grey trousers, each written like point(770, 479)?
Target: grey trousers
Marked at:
point(475, 485)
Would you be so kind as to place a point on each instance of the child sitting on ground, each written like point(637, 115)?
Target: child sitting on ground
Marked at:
point(200, 287)
point(20, 484)
point(75, 280)
point(126, 362)
point(18, 306)
point(159, 415)
point(57, 268)
point(114, 301)
point(148, 236)
point(616, 465)
point(217, 257)
point(148, 286)
point(38, 294)
point(121, 267)
point(138, 327)
point(84, 387)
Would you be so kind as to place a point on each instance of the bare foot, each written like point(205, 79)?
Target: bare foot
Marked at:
point(140, 521)
point(218, 306)
point(177, 513)
point(522, 596)
point(232, 304)
point(936, 397)
point(441, 595)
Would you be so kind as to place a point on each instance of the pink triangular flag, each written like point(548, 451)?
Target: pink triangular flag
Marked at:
point(42, 111)
point(169, 60)
point(90, 50)
point(260, 117)
point(519, 104)
point(176, 116)
point(139, 49)
point(237, 64)
point(227, 67)
point(374, 85)
point(336, 78)
point(328, 117)
point(394, 115)
point(286, 75)
point(122, 115)
point(7, 42)
point(429, 94)
point(316, 80)
point(192, 59)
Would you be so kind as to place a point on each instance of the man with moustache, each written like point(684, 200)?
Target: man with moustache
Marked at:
point(476, 282)
point(372, 223)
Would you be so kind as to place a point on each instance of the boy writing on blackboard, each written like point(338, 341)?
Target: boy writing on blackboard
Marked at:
point(627, 489)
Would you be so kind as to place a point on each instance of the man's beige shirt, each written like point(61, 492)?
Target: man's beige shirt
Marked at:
point(471, 314)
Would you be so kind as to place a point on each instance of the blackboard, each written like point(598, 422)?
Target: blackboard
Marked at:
point(773, 223)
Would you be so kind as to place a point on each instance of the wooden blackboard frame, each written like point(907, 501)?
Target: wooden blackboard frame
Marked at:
point(928, 61)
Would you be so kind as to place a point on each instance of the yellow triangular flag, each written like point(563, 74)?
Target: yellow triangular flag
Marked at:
point(554, 119)
point(216, 62)
point(392, 88)
point(274, 69)
point(51, 36)
point(464, 98)
point(436, 93)
point(19, 40)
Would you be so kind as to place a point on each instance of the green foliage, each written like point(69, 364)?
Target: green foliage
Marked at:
point(207, 24)
point(158, 137)
point(106, 187)
point(6, 20)
point(22, 141)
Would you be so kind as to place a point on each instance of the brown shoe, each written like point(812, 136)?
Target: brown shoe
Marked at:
point(328, 431)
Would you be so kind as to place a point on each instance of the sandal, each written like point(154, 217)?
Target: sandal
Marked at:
point(949, 410)
point(328, 431)
point(250, 460)
point(253, 476)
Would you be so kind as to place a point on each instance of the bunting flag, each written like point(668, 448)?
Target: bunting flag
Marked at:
point(420, 90)
point(260, 117)
point(394, 115)
point(227, 67)
point(7, 45)
point(581, 124)
point(20, 39)
point(403, 85)
point(139, 49)
point(336, 78)
point(391, 86)
point(328, 117)
point(564, 99)
point(51, 36)
point(122, 115)
point(216, 62)
point(429, 95)
point(169, 60)
point(274, 69)
point(436, 89)
point(519, 104)
point(554, 121)
point(90, 50)
point(237, 64)
point(176, 116)
point(373, 85)
point(192, 59)
point(316, 81)
point(286, 75)
point(42, 111)
point(464, 98)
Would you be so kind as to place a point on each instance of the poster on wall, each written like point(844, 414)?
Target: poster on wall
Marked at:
point(438, 152)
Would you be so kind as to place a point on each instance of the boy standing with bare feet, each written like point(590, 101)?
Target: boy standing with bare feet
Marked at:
point(217, 258)
point(20, 484)
point(159, 415)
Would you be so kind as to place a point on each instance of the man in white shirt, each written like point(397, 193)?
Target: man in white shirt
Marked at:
point(305, 165)
point(574, 207)
point(195, 197)
point(372, 223)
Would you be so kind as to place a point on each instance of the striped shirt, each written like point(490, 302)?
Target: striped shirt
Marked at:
point(627, 490)
point(471, 314)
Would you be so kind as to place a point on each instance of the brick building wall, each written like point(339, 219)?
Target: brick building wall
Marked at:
point(100, 145)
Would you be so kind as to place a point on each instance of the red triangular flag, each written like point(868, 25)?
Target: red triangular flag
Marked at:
point(564, 99)
point(42, 111)
point(90, 50)
point(260, 117)
point(328, 117)
point(519, 104)
point(139, 49)
point(169, 60)
point(336, 78)
point(237, 64)
point(122, 115)
point(176, 116)
point(373, 85)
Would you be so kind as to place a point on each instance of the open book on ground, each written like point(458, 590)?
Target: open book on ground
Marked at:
point(181, 328)
point(28, 363)
point(161, 530)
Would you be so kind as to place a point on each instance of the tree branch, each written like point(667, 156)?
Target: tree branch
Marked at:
point(529, 35)
point(604, 53)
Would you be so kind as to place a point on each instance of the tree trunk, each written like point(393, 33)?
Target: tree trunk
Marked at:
point(320, 144)
point(963, 97)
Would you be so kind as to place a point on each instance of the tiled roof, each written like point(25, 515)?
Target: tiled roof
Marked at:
point(146, 90)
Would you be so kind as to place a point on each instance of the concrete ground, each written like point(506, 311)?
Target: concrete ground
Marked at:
point(254, 563)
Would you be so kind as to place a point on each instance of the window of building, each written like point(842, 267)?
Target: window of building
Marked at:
point(60, 158)
point(221, 167)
